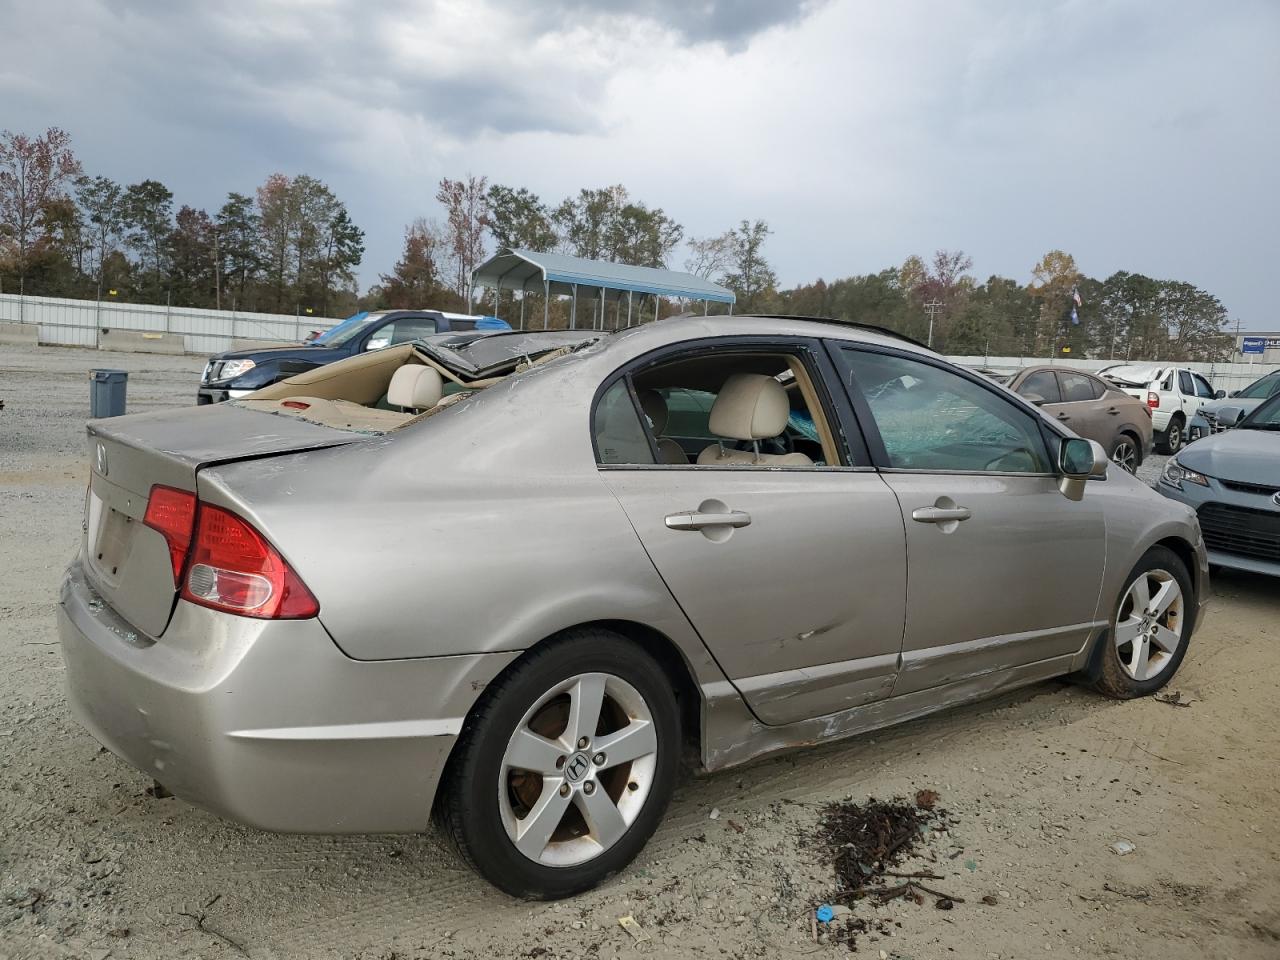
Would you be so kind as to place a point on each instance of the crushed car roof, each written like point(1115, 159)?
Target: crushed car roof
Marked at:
point(482, 355)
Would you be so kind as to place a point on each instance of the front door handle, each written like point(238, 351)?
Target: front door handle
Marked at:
point(940, 514)
point(697, 520)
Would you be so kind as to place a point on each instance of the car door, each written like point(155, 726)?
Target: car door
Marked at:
point(1003, 570)
point(1187, 398)
point(1086, 413)
point(794, 576)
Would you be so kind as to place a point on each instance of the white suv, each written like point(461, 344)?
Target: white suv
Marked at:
point(1174, 394)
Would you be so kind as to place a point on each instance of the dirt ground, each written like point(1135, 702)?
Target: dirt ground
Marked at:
point(1042, 783)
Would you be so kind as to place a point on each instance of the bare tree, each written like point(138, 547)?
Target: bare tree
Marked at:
point(710, 256)
point(465, 217)
point(33, 174)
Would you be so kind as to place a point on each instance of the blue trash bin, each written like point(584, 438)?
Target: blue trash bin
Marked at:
point(107, 393)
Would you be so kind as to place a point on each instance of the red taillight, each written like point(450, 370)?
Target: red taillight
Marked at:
point(173, 513)
point(1153, 400)
point(233, 568)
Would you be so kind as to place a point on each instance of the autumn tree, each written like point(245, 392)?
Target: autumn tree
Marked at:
point(749, 275)
point(193, 265)
point(464, 203)
point(34, 173)
point(1054, 280)
point(606, 224)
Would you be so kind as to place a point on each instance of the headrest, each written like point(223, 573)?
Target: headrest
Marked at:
point(415, 387)
point(655, 408)
point(750, 406)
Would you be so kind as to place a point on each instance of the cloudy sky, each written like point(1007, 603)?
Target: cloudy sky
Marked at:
point(1135, 135)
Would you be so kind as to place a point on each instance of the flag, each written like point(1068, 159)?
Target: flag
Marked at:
point(1075, 316)
point(1075, 295)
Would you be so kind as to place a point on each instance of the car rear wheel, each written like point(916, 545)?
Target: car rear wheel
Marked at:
point(1124, 453)
point(562, 773)
point(1170, 441)
point(1150, 628)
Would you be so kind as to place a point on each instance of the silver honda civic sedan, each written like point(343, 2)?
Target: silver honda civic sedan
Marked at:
point(517, 581)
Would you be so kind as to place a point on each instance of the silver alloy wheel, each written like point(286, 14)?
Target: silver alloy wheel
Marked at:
point(1149, 624)
point(1173, 436)
point(578, 769)
point(1125, 455)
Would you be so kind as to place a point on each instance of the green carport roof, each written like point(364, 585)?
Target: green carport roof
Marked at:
point(534, 272)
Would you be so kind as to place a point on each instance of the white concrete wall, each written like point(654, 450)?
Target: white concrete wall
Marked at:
point(1221, 376)
point(77, 322)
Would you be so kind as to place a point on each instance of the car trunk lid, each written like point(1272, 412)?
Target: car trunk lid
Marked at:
point(127, 562)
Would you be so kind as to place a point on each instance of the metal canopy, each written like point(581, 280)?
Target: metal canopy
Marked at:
point(556, 274)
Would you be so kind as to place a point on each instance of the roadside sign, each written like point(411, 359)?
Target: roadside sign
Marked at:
point(1254, 345)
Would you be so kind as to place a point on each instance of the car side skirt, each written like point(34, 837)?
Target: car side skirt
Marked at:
point(732, 735)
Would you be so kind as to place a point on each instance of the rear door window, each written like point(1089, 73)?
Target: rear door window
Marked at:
point(1042, 383)
point(1185, 386)
point(401, 331)
point(1077, 388)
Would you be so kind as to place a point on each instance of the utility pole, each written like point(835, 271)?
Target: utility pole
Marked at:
point(932, 308)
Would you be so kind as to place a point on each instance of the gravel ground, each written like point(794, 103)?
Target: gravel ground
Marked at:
point(1040, 784)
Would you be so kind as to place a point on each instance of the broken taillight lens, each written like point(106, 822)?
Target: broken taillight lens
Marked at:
point(173, 513)
point(1153, 400)
point(233, 568)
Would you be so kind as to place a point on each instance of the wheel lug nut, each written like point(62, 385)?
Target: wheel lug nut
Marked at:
point(564, 789)
point(598, 759)
point(588, 788)
point(583, 743)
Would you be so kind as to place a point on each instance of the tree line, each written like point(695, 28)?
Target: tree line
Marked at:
point(292, 246)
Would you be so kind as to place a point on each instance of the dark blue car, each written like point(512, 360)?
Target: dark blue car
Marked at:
point(234, 374)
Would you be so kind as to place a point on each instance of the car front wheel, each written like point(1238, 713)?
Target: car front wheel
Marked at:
point(1150, 628)
point(564, 770)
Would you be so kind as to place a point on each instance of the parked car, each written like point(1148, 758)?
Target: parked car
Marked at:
point(1092, 408)
point(1232, 479)
point(1206, 422)
point(239, 372)
point(518, 599)
point(1174, 394)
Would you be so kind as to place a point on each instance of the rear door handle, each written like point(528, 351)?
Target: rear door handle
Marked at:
point(1064, 416)
point(1112, 410)
point(940, 514)
point(696, 521)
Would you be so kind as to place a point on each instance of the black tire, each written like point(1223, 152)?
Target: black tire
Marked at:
point(1122, 442)
point(1170, 442)
point(1107, 674)
point(469, 809)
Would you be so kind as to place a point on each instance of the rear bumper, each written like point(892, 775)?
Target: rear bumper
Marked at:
point(268, 722)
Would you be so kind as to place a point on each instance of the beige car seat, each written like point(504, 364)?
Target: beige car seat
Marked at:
point(655, 408)
point(415, 387)
point(750, 407)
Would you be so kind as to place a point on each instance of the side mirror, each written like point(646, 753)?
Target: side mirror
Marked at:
point(1220, 394)
point(1230, 416)
point(1034, 398)
point(1080, 461)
